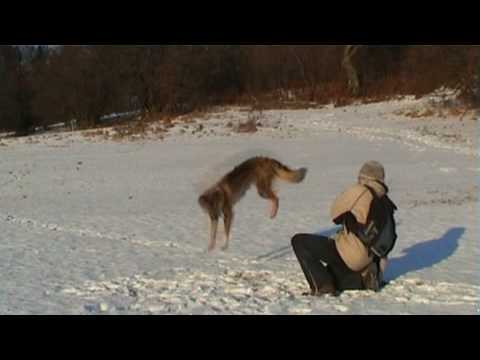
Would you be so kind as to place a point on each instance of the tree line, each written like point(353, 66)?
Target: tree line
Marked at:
point(42, 85)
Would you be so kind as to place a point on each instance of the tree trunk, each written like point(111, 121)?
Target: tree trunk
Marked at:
point(353, 81)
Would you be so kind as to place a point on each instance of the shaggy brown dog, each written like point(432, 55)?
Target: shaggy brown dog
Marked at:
point(220, 199)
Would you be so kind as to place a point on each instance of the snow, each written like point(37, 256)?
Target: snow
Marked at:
point(119, 115)
point(95, 226)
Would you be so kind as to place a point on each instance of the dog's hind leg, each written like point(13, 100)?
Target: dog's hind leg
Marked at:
point(275, 204)
point(213, 233)
point(265, 191)
point(227, 219)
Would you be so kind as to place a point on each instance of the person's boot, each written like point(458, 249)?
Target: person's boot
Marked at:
point(371, 278)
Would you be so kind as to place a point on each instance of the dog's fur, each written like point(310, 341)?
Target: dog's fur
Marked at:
point(220, 199)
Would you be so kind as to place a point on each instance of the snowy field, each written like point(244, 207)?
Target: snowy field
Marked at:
point(95, 226)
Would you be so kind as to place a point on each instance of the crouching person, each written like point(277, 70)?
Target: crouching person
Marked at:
point(356, 257)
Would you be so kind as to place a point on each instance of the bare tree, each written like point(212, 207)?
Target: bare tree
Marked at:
point(352, 75)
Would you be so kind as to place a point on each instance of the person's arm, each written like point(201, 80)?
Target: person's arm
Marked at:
point(355, 200)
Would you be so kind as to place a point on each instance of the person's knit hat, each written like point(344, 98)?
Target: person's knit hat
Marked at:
point(372, 170)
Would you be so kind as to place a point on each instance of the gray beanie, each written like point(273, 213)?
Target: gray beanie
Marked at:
point(372, 170)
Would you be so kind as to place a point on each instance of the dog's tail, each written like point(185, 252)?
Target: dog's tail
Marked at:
point(289, 175)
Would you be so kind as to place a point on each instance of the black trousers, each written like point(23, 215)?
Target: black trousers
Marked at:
point(311, 251)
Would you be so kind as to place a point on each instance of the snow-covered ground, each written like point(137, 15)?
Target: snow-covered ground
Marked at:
point(93, 226)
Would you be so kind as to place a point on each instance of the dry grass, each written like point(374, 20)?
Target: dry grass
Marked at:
point(416, 113)
point(248, 127)
point(253, 122)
